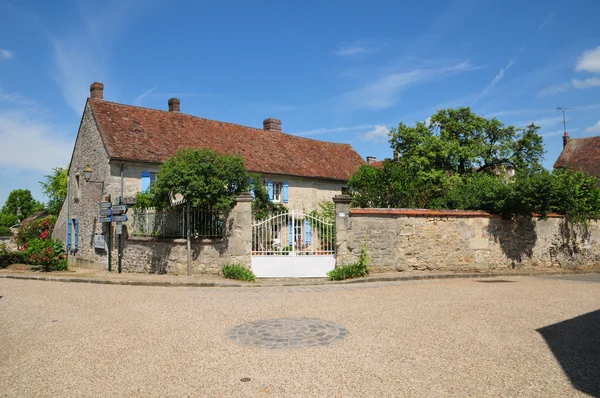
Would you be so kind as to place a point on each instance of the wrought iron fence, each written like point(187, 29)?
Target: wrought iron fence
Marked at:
point(173, 223)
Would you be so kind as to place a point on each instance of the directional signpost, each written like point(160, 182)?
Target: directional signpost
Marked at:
point(106, 217)
point(119, 218)
point(109, 214)
point(105, 212)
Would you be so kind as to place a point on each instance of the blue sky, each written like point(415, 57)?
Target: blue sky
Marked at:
point(342, 71)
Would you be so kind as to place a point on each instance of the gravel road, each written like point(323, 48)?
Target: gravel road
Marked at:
point(530, 337)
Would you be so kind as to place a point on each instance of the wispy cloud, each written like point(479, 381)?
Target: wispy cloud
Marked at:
point(325, 130)
point(512, 61)
point(594, 129)
point(589, 61)
point(379, 134)
point(357, 48)
point(383, 92)
point(557, 132)
point(45, 143)
point(6, 54)
point(138, 100)
point(587, 83)
point(554, 89)
point(494, 81)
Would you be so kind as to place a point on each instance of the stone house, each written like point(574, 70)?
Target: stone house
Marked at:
point(581, 154)
point(124, 146)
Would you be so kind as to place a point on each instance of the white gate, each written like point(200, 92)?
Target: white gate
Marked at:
point(293, 244)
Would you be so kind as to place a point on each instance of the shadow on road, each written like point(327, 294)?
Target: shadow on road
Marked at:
point(576, 345)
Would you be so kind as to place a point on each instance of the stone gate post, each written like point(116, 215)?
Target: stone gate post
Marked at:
point(343, 224)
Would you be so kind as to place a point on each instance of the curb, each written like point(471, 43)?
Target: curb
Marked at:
point(350, 281)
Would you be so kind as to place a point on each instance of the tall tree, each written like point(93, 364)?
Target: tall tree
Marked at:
point(204, 178)
point(23, 200)
point(55, 188)
point(460, 142)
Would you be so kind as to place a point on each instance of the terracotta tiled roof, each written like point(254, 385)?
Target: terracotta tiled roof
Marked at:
point(151, 135)
point(581, 154)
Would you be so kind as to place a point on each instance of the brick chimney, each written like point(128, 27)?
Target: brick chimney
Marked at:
point(272, 124)
point(174, 105)
point(565, 140)
point(371, 159)
point(97, 91)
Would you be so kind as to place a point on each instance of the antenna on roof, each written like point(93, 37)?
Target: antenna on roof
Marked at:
point(558, 108)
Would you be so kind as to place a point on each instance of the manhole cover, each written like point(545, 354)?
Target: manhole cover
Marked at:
point(288, 333)
point(495, 281)
point(245, 379)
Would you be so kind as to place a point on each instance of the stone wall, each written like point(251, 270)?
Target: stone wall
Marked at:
point(154, 255)
point(405, 240)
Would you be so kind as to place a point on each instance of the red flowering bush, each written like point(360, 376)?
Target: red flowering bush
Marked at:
point(36, 229)
point(47, 253)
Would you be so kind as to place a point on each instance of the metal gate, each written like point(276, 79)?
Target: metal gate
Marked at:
point(293, 244)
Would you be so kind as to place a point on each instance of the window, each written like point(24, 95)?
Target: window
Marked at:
point(148, 178)
point(278, 191)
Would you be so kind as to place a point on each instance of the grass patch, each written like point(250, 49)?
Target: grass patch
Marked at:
point(352, 270)
point(239, 272)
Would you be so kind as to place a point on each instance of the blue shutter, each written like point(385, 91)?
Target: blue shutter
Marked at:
point(145, 180)
point(307, 232)
point(291, 233)
point(285, 192)
point(270, 189)
point(76, 233)
point(252, 188)
point(69, 234)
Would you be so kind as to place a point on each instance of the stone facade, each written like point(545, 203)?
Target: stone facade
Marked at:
point(408, 240)
point(306, 193)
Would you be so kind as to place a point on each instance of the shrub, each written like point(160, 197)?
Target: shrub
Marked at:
point(36, 229)
point(352, 270)
point(238, 271)
point(5, 231)
point(47, 253)
point(8, 258)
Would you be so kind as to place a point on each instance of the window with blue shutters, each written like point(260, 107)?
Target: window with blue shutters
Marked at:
point(68, 234)
point(285, 192)
point(252, 188)
point(307, 232)
point(145, 180)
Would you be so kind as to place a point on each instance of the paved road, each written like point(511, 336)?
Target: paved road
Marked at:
point(526, 337)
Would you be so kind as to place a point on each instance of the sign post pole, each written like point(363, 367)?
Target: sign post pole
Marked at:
point(119, 224)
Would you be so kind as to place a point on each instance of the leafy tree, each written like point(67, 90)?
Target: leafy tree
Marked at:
point(458, 141)
point(55, 188)
point(8, 220)
point(204, 178)
point(576, 195)
point(21, 198)
point(262, 206)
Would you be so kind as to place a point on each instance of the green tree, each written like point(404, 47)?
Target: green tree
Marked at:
point(21, 198)
point(458, 141)
point(204, 178)
point(262, 206)
point(8, 220)
point(55, 188)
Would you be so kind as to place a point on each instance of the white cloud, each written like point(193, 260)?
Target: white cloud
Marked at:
point(357, 48)
point(379, 134)
point(557, 132)
point(323, 130)
point(495, 80)
point(383, 92)
point(555, 89)
point(587, 83)
point(594, 129)
point(31, 144)
point(589, 61)
point(6, 54)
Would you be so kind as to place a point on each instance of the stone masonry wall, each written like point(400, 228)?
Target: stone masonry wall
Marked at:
point(153, 255)
point(462, 241)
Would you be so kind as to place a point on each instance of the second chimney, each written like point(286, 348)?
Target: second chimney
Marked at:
point(174, 105)
point(371, 159)
point(272, 124)
point(565, 140)
point(97, 90)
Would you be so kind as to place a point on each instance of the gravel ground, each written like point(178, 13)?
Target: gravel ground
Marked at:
point(531, 337)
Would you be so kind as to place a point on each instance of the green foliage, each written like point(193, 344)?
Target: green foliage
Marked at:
point(238, 271)
point(55, 188)
point(262, 206)
point(47, 253)
point(356, 269)
point(576, 195)
point(8, 220)
point(144, 200)
point(327, 214)
point(8, 258)
point(35, 229)
point(5, 231)
point(204, 178)
point(21, 198)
